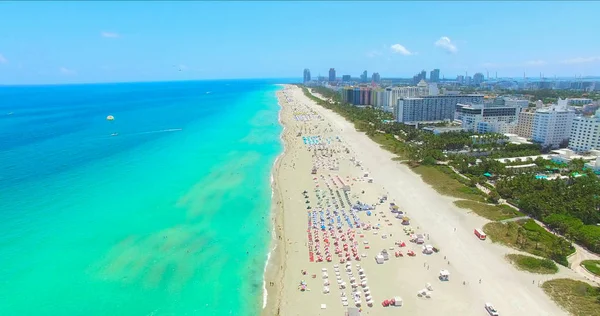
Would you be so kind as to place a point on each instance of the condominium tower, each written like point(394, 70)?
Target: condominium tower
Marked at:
point(432, 108)
point(585, 133)
point(306, 75)
point(331, 74)
point(552, 126)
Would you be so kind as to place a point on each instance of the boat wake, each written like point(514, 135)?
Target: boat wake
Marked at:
point(170, 130)
point(159, 131)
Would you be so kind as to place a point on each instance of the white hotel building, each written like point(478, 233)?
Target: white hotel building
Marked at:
point(585, 133)
point(552, 126)
point(481, 119)
point(432, 108)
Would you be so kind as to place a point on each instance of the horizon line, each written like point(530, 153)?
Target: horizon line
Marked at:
point(141, 81)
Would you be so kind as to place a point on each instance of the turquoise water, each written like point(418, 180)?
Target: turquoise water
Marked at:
point(169, 217)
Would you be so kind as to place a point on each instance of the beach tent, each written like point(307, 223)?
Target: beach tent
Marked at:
point(444, 275)
point(397, 301)
point(379, 259)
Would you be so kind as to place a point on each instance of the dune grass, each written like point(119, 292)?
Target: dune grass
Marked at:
point(446, 182)
point(528, 236)
point(491, 212)
point(577, 297)
point(532, 264)
point(391, 144)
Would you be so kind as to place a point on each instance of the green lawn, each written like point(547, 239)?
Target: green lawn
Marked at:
point(446, 182)
point(528, 236)
point(577, 297)
point(491, 212)
point(532, 264)
point(592, 265)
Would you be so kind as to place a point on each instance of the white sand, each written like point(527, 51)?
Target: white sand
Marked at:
point(512, 292)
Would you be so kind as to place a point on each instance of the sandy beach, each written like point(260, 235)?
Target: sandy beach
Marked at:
point(321, 225)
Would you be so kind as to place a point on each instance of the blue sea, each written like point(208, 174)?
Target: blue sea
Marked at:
point(163, 211)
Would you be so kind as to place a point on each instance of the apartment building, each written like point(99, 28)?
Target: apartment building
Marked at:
point(432, 108)
point(585, 133)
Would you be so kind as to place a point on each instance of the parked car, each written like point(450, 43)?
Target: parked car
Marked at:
point(491, 309)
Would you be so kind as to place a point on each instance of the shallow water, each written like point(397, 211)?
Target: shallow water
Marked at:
point(169, 217)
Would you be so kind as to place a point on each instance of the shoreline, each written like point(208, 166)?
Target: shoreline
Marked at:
point(451, 229)
point(274, 270)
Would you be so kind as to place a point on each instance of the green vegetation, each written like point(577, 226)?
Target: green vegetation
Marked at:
point(532, 264)
point(528, 236)
point(446, 182)
point(577, 297)
point(593, 266)
point(491, 212)
point(570, 207)
point(389, 143)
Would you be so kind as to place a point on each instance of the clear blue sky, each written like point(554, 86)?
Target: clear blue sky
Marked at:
point(108, 41)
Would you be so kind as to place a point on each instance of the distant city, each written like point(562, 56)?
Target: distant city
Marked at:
point(481, 104)
point(487, 82)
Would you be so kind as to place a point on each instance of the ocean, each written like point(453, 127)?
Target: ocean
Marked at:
point(163, 211)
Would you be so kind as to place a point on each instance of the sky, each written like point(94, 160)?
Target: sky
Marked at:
point(112, 41)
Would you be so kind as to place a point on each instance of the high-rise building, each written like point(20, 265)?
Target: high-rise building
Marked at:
point(585, 133)
point(332, 74)
point(478, 78)
point(524, 126)
point(375, 77)
point(578, 101)
point(363, 77)
point(480, 118)
point(378, 98)
point(552, 126)
point(306, 75)
point(395, 93)
point(420, 76)
point(432, 108)
point(346, 78)
point(518, 103)
point(361, 95)
point(460, 79)
point(434, 75)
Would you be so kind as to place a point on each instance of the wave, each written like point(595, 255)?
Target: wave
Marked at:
point(274, 227)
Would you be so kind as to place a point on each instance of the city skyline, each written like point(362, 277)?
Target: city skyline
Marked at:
point(218, 40)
